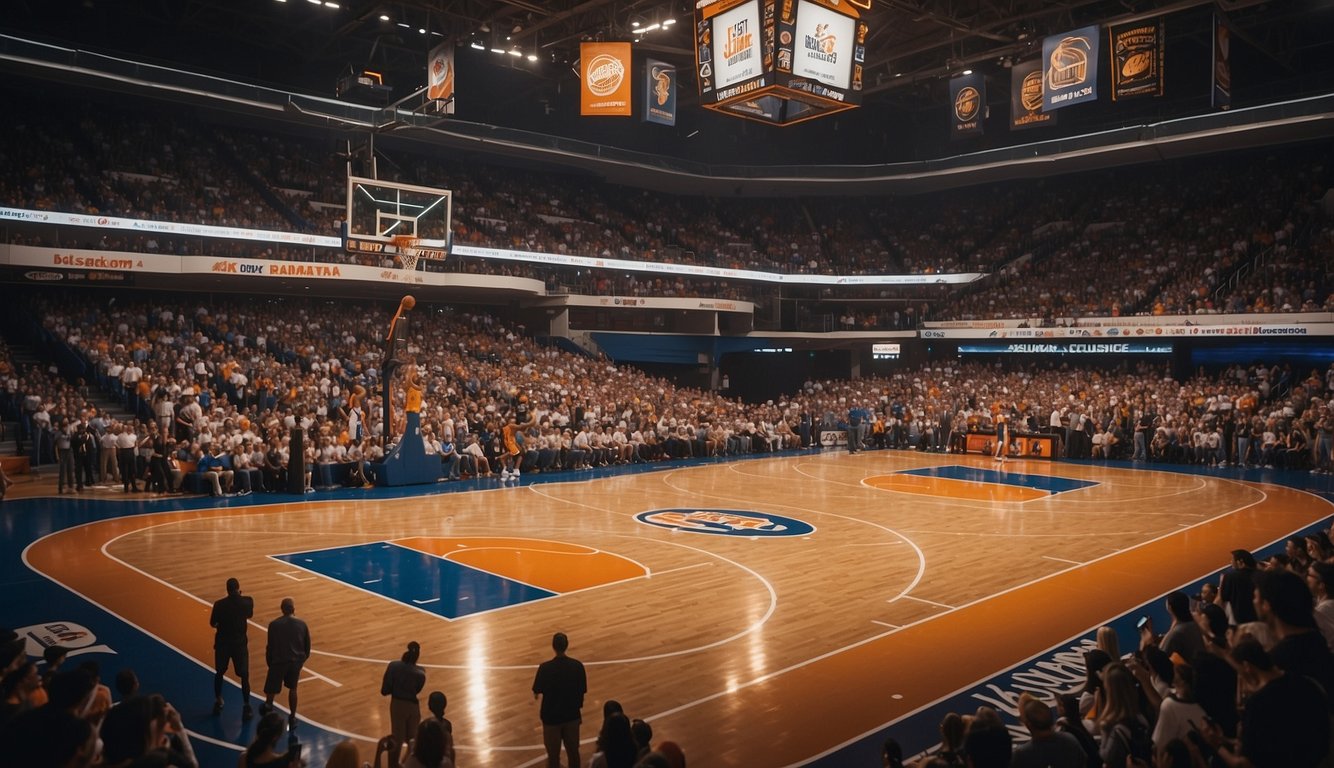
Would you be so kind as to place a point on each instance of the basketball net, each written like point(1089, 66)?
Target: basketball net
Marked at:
point(409, 250)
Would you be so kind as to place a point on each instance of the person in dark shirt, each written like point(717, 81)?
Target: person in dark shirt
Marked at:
point(231, 645)
point(403, 680)
point(286, 652)
point(1284, 603)
point(1236, 590)
point(561, 683)
point(1284, 724)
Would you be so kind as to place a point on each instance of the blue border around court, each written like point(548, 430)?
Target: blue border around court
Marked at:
point(31, 599)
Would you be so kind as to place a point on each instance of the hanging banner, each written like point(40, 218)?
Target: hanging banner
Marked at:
point(440, 75)
point(968, 105)
point(1222, 69)
point(1026, 97)
point(1071, 62)
point(659, 93)
point(1137, 58)
point(604, 74)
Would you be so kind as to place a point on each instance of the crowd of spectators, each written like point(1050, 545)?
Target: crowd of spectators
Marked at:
point(1186, 237)
point(231, 381)
point(54, 714)
point(1240, 677)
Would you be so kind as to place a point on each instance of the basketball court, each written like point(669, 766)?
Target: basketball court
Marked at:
point(769, 611)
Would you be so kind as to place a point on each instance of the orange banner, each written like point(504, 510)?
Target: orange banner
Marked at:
point(604, 71)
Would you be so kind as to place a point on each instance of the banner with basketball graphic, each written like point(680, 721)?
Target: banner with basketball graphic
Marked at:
point(968, 105)
point(1071, 68)
point(1026, 97)
point(1137, 58)
point(1221, 93)
point(659, 93)
point(440, 75)
point(604, 76)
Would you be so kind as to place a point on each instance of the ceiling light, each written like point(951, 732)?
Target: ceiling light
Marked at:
point(669, 22)
point(968, 72)
point(384, 17)
point(532, 57)
point(634, 24)
point(422, 30)
point(405, 26)
point(315, 2)
point(652, 27)
point(478, 46)
point(515, 52)
point(282, 1)
point(331, 5)
point(500, 51)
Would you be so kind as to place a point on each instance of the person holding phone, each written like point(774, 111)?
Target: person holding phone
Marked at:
point(262, 752)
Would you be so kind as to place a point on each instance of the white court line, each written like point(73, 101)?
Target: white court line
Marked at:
point(427, 602)
point(921, 556)
point(188, 657)
point(682, 568)
point(289, 574)
point(216, 742)
point(886, 624)
point(1061, 560)
point(922, 600)
point(372, 581)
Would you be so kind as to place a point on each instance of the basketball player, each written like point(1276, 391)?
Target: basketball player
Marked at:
point(1002, 436)
point(231, 645)
point(510, 439)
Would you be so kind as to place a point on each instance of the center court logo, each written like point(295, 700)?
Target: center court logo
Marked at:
point(725, 522)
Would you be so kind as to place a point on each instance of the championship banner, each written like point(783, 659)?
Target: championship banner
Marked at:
point(968, 105)
point(1026, 97)
point(659, 93)
point(440, 76)
point(1071, 74)
point(1137, 59)
point(604, 75)
point(1221, 93)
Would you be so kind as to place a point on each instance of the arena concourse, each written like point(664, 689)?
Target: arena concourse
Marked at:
point(1029, 471)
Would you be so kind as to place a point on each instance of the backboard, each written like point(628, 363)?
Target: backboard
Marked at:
point(377, 210)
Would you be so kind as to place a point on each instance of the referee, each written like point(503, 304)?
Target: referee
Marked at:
point(231, 645)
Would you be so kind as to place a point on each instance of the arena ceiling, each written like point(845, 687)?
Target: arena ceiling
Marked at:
point(1286, 49)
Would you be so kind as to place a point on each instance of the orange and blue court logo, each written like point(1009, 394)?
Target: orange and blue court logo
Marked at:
point(976, 483)
point(456, 577)
point(725, 522)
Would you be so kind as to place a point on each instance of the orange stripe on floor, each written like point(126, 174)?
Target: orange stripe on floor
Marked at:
point(552, 565)
point(858, 691)
point(923, 485)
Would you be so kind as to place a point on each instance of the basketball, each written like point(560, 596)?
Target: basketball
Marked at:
point(408, 302)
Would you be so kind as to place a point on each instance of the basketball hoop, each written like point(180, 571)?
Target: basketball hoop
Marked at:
point(409, 250)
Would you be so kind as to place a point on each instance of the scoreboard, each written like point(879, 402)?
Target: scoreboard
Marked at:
point(779, 61)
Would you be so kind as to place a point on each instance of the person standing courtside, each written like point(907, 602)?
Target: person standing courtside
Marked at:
point(403, 680)
point(286, 652)
point(231, 645)
point(561, 683)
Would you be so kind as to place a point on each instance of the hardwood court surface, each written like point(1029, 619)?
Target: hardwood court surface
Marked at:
point(746, 649)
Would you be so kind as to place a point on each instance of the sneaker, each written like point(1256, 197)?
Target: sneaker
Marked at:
point(515, 476)
point(243, 493)
point(265, 708)
point(247, 713)
point(504, 474)
point(310, 490)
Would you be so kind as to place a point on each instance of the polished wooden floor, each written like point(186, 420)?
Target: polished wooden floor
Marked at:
point(747, 650)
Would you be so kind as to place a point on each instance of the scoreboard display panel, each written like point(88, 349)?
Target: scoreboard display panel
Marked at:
point(779, 61)
point(822, 50)
point(729, 50)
